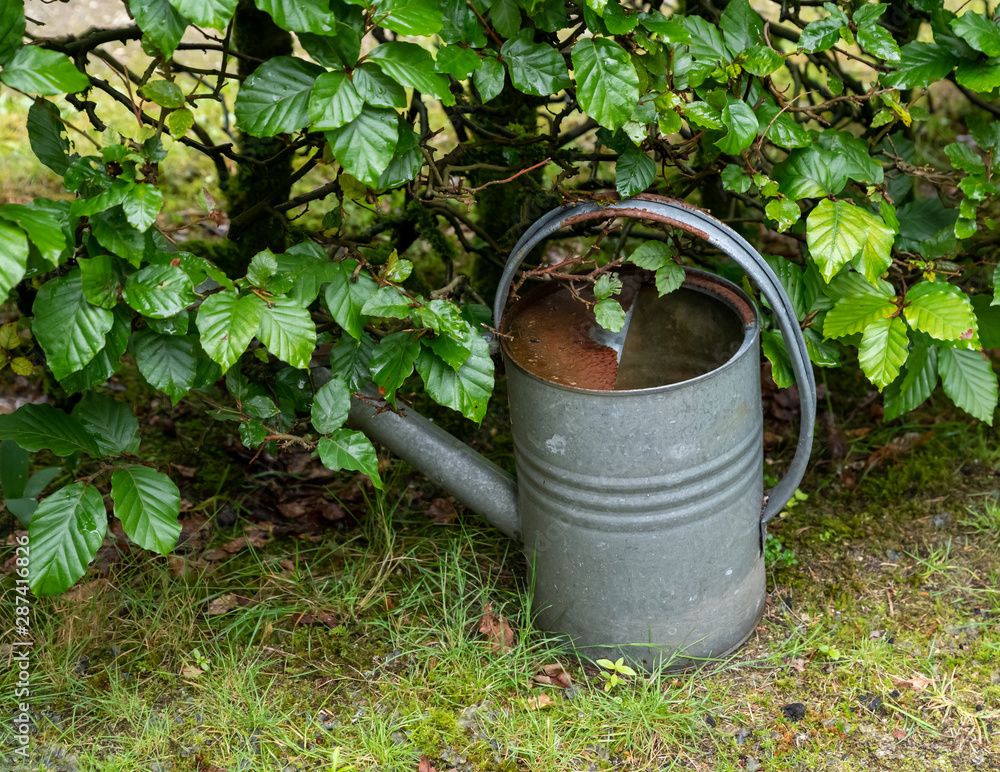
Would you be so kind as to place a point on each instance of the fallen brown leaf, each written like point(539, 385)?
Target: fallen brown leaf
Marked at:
point(543, 700)
point(184, 471)
point(495, 628)
point(315, 618)
point(236, 545)
point(553, 675)
point(292, 508)
point(184, 568)
point(799, 665)
point(425, 765)
point(917, 683)
point(442, 511)
point(899, 734)
point(190, 671)
point(219, 605)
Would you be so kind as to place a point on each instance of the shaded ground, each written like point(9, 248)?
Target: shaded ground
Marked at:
point(309, 622)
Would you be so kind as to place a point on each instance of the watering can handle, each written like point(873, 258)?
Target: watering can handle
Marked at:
point(699, 223)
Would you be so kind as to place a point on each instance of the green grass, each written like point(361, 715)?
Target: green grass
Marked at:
point(130, 670)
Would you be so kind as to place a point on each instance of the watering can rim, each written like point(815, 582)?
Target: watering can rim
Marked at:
point(699, 223)
point(750, 333)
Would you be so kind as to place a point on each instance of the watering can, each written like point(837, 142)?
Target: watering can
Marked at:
point(639, 499)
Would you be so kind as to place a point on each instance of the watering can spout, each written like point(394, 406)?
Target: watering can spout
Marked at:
point(475, 481)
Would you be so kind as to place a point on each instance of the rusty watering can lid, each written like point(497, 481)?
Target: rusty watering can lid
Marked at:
point(699, 223)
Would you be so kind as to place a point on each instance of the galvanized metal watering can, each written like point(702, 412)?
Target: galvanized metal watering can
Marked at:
point(639, 498)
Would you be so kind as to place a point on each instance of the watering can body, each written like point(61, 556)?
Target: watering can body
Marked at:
point(641, 510)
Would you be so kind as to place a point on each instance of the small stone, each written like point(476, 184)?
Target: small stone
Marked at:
point(752, 765)
point(893, 555)
point(742, 734)
point(794, 710)
point(710, 720)
point(72, 764)
point(943, 520)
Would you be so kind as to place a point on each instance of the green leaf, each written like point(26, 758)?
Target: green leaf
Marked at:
point(148, 503)
point(875, 256)
point(921, 64)
point(227, 323)
point(288, 331)
point(965, 158)
point(706, 43)
point(855, 313)
point(164, 93)
point(364, 147)
point(489, 78)
point(703, 115)
point(413, 66)
point(784, 212)
point(142, 204)
point(115, 234)
point(345, 298)
point(672, 31)
point(618, 20)
point(345, 449)
point(877, 40)
point(607, 86)
point(837, 231)
point(66, 531)
point(330, 406)
point(112, 424)
point(734, 179)
point(979, 32)
point(167, 362)
point(772, 343)
point(160, 23)
point(13, 257)
point(45, 228)
point(461, 25)
point(47, 136)
point(159, 291)
point(338, 49)
point(389, 303)
point(350, 360)
point(634, 172)
point(334, 101)
point(299, 15)
point(252, 433)
point(981, 75)
point(406, 161)
point(409, 17)
point(11, 34)
point(919, 379)
point(537, 68)
point(107, 361)
point(822, 34)
point(467, 390)
point(606, 286)
point(761, 61)
point(812, 173)
point(392, 362)
point(609, 314)
point(506, 17)
point(15, 463)
point(43, 427)
point(741, 26)
point(275, 98)
point(377, 88)
point(457, 61)
point(207, 13)
point(781, 128)
point(69, 329)
point(306, 264)
point(985, 131)
point(41, 71)
point(969, 381)
point(739, 118)
point(941, 310)
point(260, 407)
point(884, 347)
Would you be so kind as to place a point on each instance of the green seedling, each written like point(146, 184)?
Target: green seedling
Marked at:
point(612, 671)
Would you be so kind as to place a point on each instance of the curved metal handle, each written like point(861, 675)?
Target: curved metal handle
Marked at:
point(703, 225)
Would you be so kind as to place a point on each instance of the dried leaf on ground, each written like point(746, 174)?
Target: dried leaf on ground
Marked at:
point(292, 509)
point(917, 683)
point(315, 618)
point(220, 605)
point(496, 629)
point(186, 568)
point(190, 671)
point(442, 511)
point(799, 665)
point(184, 471)
point(543, 700)
point(194, 531)
point(553, 675)
point(425, 765)
point(897, 447)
